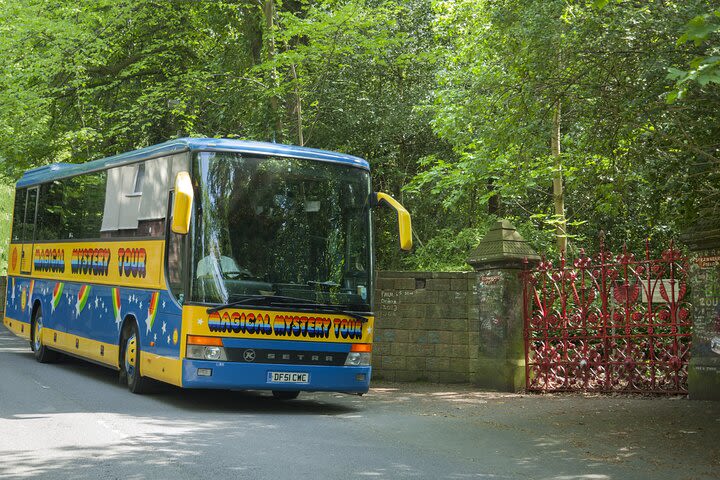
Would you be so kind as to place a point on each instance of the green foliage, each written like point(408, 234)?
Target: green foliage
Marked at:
point(703, 31)
point(450, 100)
point(631, 164)
point(447, 251)
point(7, 195)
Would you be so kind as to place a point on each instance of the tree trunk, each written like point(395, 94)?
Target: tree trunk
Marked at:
point(558, 195)
point(269, 13)
point(298, 107)
point(494, 200)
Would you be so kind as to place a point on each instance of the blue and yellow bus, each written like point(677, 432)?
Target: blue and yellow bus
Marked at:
point(203, 263)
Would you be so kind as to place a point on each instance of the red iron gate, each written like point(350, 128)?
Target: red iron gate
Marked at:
point(608, 324)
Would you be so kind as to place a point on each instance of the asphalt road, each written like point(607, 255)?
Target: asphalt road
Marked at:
point(73, 420)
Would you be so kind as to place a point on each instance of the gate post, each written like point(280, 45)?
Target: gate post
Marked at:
point(704, 369)
point(499, 260)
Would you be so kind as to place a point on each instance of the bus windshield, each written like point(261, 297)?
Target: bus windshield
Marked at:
point(285, 227)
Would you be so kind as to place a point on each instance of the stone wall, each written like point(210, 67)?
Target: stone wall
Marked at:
point(426, 326)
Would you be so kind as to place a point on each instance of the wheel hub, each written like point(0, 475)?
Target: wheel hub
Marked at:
point(37, 343)
point(130, 356)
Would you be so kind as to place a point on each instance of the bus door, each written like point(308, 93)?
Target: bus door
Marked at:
point(28, 230)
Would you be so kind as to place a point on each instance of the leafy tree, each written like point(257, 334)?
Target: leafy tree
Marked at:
point(84, 81)
point(626, 154)
point(704, 68)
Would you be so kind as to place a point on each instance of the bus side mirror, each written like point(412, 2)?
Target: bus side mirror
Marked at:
point(182, 207)
point(404, 223)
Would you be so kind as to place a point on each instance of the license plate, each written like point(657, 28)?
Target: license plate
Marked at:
point(288, 377)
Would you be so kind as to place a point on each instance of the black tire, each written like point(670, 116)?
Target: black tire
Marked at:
point(42, 353)
point(285, 394)
point(130, 361)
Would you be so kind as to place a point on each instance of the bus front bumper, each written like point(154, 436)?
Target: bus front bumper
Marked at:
point(257, 376)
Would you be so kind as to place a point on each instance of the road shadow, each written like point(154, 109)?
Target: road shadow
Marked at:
point(251, 401)
point(195, 400)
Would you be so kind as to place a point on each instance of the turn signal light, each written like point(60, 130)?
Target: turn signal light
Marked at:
point(198, 340)
point(361, 347)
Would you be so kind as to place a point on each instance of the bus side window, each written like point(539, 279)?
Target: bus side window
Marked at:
point(51, 212)
point(18, 215)
point(83, 203)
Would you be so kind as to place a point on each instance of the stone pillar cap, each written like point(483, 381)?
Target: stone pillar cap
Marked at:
point(502, 244)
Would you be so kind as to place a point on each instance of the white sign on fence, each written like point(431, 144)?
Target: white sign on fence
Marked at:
point(672, 288)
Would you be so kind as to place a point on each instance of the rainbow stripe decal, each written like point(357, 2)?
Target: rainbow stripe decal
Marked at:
point(117, 306)
point(152, 311)
point(23, 298)
point(57, 294)
point(82, 299)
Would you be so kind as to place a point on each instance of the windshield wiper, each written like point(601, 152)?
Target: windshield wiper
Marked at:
point(326, 284)
point(294, 302)
point(325, 308)
point(250, 299)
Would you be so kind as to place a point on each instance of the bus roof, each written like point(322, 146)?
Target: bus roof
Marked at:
point(61, 170)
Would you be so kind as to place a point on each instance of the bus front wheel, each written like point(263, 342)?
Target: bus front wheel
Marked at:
point(42, 353)
point(130, 361)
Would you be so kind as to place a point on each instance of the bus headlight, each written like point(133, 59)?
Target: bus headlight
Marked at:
point(357, 359)
point(205, 348)
point(215, 353)
point(201, 352)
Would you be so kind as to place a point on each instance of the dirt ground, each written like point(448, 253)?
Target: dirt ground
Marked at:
point(643, 436)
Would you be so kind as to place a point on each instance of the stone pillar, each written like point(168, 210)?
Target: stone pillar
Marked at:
point(499, 260)
point(704, 369)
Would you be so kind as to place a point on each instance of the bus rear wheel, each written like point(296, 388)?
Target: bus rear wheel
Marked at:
point(130, 361)
point(42, 353)
point(285, 394)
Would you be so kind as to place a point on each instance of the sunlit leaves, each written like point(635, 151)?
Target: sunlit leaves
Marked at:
point(703, 70)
